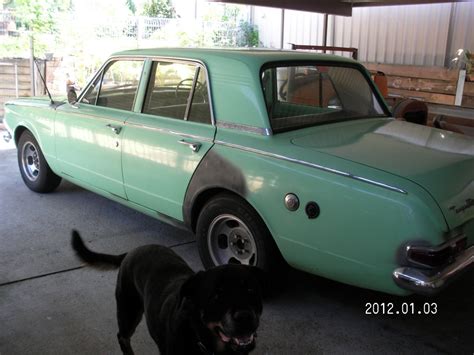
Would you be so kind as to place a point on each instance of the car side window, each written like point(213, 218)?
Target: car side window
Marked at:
point(200, 110)
point(178, 90)
point(117, 86)
point(90, 97)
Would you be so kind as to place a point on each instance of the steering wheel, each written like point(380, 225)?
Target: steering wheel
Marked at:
point(199, 89)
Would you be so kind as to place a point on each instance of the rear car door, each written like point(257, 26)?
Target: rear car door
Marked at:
point(89, 133)
point(164, 142)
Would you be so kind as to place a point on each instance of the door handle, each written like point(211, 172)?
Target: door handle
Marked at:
point(194, 146)
point(116, 129)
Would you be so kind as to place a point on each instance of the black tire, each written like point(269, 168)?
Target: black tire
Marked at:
point(34, 169)
point(230, 231)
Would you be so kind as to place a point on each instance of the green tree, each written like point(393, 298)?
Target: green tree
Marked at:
point(131, 6)
point(159, 8)
point(39, 15)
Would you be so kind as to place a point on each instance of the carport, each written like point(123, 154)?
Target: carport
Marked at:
point(52, 304)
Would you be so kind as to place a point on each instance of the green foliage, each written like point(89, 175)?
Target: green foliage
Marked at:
point(159, 8)
point(131, 6)
point(248, 35)
point(39, 16)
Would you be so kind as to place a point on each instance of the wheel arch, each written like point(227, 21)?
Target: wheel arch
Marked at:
point(19, 131)
point(204, 197)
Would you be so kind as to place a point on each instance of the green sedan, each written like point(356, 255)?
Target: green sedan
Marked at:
point(268, 157)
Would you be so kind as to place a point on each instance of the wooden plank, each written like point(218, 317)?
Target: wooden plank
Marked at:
point(468, 89)
point(425, 85)
point(468, 101)
point(11, 70)
point(12, 93)
point(11, 82)
point(414, 71)
point(428, 97)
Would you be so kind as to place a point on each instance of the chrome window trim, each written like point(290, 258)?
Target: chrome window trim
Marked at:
point(245, 128)
point(156, 58)
point(100, 73)
point(312, 165)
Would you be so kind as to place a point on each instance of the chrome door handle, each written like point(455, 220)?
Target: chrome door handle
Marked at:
point(194, 146)
point(116, 129)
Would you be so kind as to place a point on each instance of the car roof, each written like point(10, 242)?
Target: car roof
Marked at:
point(250, 56)
point(233, 75)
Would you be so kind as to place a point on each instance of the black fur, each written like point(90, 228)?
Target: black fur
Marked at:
point(92, 258)
point(210, 312)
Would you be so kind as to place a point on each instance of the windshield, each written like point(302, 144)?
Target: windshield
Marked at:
point(299, 96)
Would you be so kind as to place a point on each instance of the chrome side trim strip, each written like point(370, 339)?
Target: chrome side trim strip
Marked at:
point(169, 131)
point(416, 280)
point(312, 165)
point(245, 128)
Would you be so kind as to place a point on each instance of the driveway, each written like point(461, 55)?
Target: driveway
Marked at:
point(51, 304)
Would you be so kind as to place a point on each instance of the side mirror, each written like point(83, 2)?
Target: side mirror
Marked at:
point(71, 89)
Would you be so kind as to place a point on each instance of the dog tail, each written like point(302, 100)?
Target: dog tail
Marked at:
point(97, 260)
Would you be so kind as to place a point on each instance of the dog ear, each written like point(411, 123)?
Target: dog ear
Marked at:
point(190, 288)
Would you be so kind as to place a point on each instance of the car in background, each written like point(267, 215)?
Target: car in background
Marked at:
point(266, 156)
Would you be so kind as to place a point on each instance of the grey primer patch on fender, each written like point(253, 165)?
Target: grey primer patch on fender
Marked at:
point(214, 171)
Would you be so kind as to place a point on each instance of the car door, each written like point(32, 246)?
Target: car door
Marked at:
point(89, 133)
point(164, 143)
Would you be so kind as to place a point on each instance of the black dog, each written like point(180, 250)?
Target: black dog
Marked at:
point(210, 312)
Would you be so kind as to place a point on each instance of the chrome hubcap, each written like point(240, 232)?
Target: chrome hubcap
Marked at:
point(30, 161)
point(231, 242)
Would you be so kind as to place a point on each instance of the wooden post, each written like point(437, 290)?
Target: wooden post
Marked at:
point(325, 32)
point(16, 80)
point(282, 37)
point(32, 66)
point(460, 87)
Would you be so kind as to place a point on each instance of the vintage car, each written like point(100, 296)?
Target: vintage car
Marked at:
point(266, 156)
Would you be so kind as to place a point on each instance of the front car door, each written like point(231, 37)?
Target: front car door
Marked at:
point(89, 133)
point(164, 142)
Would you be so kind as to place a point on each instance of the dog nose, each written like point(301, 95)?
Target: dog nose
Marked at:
point(242, 316)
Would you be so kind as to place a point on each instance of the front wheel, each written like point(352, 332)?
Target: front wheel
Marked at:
point(229, 231)
point(34, 169)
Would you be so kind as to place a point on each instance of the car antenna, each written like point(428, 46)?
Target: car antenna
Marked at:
point(42, 79)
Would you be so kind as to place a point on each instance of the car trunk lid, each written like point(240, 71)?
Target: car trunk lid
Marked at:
point(441, 162)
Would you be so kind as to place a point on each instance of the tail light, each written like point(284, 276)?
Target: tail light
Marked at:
point(436, 256)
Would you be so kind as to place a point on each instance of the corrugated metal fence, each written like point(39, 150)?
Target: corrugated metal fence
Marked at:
point(412, 35)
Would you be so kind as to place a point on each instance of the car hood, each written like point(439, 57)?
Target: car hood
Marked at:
point(441, 162)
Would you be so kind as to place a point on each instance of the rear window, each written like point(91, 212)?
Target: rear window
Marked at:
point(299, 96)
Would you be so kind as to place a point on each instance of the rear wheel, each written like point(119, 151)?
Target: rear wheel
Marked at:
point(34, 169)
point(229, 231)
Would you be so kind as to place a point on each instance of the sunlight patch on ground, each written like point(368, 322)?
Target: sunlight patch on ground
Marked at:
point(4, 145)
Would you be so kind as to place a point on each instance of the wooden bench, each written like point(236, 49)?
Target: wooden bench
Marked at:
point(429, 84)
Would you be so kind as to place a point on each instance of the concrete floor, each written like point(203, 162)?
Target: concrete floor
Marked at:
point(50, 304)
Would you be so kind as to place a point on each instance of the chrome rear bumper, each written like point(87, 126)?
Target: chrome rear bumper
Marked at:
point(422, 282)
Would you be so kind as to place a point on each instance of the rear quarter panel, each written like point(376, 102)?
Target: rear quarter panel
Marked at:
point(358, 235)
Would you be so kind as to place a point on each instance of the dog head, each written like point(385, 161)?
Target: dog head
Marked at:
point(229, 301)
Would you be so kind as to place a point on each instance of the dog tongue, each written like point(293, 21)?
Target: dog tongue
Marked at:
point(224, 337)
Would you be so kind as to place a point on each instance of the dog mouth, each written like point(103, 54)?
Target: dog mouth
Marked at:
point(240, 341)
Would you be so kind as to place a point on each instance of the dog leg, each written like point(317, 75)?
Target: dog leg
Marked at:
point(125, 345)
point(129, 314)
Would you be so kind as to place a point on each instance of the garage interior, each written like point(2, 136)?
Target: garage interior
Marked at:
point(50, 303)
